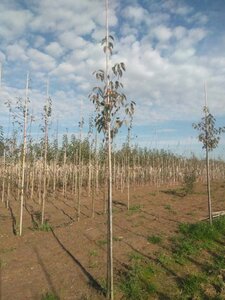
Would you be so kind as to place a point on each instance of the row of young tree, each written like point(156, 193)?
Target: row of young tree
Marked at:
point(80, 164)
point(88, 165)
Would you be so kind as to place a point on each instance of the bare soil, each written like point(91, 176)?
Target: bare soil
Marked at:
point(70, 259)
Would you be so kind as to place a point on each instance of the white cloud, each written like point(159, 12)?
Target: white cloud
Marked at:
point(162, 33)
point(70, 40)
point(135, 14)
point(54, 49)
point(13, 22)
point(2, 56)
point(40, 60)
point(160, 44)
point(16, 52)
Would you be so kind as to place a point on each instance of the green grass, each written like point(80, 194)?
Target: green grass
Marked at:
point(191, 286)
point(135, 256)
point(2, 263)
point(136, 282)
point(135, 208)
point(45, 227)
point(167, 206)
point(102, 242)
point(191, 267)
point(49, 296)
point(93, 253)
point(154, 239)
point(117, 238)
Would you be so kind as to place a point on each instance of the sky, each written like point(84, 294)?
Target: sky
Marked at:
point(170, 49)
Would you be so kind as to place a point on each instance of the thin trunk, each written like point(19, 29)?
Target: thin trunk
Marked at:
point(80, 173)
point(3, 177)
point(45, 156)
point(207, 163)
point(24, 155)
point(128, 170)
point(110, 293)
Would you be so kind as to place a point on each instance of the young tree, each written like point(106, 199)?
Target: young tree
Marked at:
point(46, 116)
point(209, 136)
point(109, 101)
point(24, 151)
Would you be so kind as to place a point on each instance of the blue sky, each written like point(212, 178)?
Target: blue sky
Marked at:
point(170, 47)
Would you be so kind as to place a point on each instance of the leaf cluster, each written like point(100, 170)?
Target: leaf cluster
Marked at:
point(108, 98)
point(209, 135)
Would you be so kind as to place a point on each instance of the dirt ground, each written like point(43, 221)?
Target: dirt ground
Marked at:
point(70, 259)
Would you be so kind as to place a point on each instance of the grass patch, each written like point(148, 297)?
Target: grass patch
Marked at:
point(176, 272)
point(154, 239)
point(135, 208)
point(168, 207)
point(45, 227)
point(102, 242)
point(7, 250)
point(2, 263)
point(135, 256)
point(191, 286)
point(180, 192)
point(93, 253)
point(49, 296)
point(194, 237)
point(136, 282)
point(117, 238)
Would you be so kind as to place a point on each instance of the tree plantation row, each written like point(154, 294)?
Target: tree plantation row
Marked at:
point(92, 166)
point(79, 166)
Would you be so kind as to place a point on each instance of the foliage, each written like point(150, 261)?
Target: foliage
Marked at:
point(109, 98)
point(189, 180)
point(45, 227)
point(209, 135)
point(154, 239)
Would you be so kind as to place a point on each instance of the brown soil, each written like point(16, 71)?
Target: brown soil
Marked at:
point(70, 260)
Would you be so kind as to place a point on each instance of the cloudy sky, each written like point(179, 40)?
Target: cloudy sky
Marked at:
point(170, 48)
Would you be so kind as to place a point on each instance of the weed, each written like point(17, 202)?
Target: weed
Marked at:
point(103, 285)
point(49, 296)
point(7, 250)
point(164, 259)
point(136, 282)
point(175, 192)
point(102, 242)
point(93, 264)
point(200, 231)
point(45, 227)
point(2, 263)
point(135, 256)
point(154, 239)
point(217, 265)
point(191, 213)
point(93, 253)
point(117, 238)
point(184, 247)
point(189, 180)
point(168, 207)
point(135, 208)
point(191, 285)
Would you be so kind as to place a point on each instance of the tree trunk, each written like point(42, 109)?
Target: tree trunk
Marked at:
point(24, 155)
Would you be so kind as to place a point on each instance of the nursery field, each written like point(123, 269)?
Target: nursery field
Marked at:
point(156, 254)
